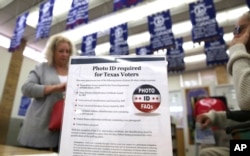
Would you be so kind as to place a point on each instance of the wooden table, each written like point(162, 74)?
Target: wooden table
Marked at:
point(6, 150)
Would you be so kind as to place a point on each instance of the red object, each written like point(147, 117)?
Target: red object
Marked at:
point(204, 105)
point(55, 122)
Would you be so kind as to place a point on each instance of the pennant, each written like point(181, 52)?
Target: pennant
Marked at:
point(216, 51)
point(130, 3)
point(120, 4)
point(18, 32)
point(145, 50)
point(45, 19)
point(203, 19)
point(118, 40)
point(175, 57)
point(89, 44)
point(78, 14)
point(24, 105)
point(160, 29)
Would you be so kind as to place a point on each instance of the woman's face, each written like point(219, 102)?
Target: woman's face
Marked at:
point(241, 28)
point(62, 54)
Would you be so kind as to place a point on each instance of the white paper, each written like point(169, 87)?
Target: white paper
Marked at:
point(116, 106)
point(204, 136)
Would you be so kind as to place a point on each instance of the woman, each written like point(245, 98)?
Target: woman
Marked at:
point(46, 85)
point(239, 67)
point(239, 62)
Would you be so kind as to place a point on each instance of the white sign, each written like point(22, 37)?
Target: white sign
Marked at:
point(116, 106)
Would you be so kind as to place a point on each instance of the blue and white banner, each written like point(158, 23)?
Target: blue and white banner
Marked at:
point(175, 57)
point(160, 29)
point(18, 32)
point(24, 105)
point(130, 3)
point(89, 44)
point(215, 51)
point(120, 4)
point(45, 19)
point(146, 50)
point(78, 14)
point(203, 19)
point(118, 40)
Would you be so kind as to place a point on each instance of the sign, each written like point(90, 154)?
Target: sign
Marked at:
point(145, 50)
point(118, 40)
point(203, 19)
point(78, 13)
point(160, 29)
point(89, 44)
point(25, 102)
point(215, 50)
point(120, 4)
point(116, 106)
point(175, 57)
point(45, 19)
point(18, 32)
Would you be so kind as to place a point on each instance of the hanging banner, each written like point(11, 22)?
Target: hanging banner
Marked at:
point(203, 19)
point(216, 51)
point(78, 14)
point(45, 19)
point(160, 29)
point(120, 4)
point(24, 105)
point(89, 44)
point(175, 57)
point(18, 32)
point(130, 3)
point(146, 50)
point(118, 40)
point(116, 106)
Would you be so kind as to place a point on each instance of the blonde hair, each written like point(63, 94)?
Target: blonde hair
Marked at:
point(51, 47)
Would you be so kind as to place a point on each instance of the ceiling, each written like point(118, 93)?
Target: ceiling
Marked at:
point(97, 10)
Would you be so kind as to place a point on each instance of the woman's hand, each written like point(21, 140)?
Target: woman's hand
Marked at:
point(55, 88)
point(61, 87)
point(204, 121)
point(242, 37)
